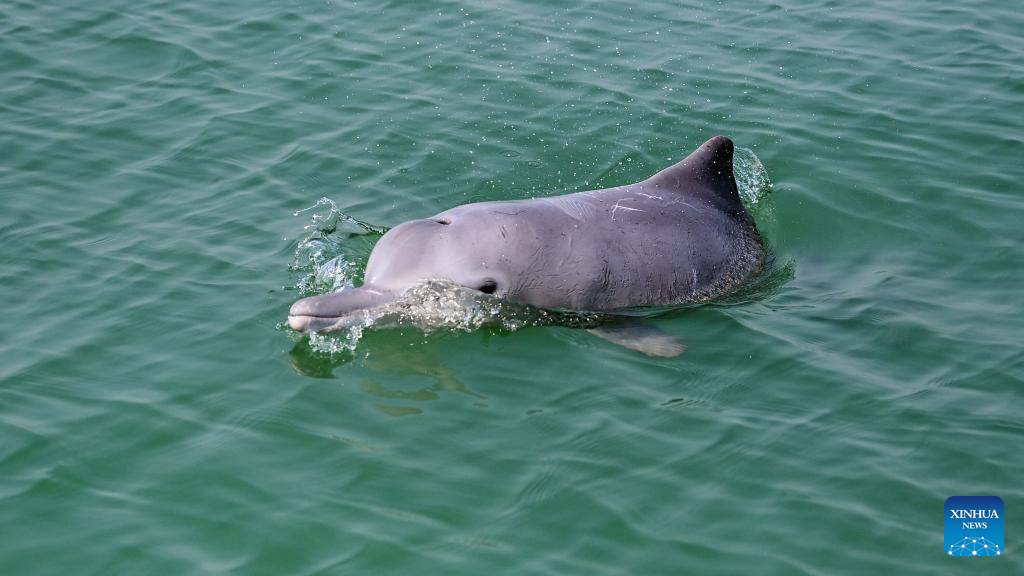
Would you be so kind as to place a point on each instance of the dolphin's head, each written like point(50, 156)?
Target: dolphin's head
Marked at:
point(464, 251)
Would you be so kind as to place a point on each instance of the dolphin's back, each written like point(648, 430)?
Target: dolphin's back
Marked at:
point(624, 247)
point(681, 236)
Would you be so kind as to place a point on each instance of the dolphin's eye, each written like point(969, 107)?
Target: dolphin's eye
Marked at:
point(488, 287)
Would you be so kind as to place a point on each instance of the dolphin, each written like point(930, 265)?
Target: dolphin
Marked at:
point(681, 236)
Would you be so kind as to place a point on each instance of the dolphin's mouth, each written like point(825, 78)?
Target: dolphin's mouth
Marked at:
point(429, 304)
point(337, 311)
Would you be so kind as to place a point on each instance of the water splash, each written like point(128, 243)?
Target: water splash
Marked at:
point(440, 305)
point(330, 220)
point(755, 188)
point(340, 342)
point(332, 253)
point(751, 177)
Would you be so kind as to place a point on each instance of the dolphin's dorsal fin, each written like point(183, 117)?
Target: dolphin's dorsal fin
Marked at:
point(709, 167)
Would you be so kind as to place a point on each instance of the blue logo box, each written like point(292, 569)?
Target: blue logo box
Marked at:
point(974, 526)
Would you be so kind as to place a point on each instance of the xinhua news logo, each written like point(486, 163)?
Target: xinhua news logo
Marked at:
point(974, 526)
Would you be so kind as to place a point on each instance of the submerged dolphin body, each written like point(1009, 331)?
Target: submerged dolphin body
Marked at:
point(680, 236)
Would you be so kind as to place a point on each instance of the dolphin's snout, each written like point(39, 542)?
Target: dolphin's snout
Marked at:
point(315, 306)
point(306, 312)
point(298, 322)
point(329, 311)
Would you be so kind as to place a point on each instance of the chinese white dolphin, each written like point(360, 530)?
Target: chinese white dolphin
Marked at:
point(681, 236)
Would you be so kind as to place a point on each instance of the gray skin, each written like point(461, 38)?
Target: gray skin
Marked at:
point(680, 236)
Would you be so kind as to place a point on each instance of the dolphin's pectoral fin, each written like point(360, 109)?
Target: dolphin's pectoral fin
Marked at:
point(642, 337)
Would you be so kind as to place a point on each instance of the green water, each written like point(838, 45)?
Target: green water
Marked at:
point(155, 419)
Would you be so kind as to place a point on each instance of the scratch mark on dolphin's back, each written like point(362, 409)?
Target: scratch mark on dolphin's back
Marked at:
point(576, 206)
point(618, 206)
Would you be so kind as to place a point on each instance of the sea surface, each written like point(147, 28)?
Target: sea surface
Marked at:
point(162, 166)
